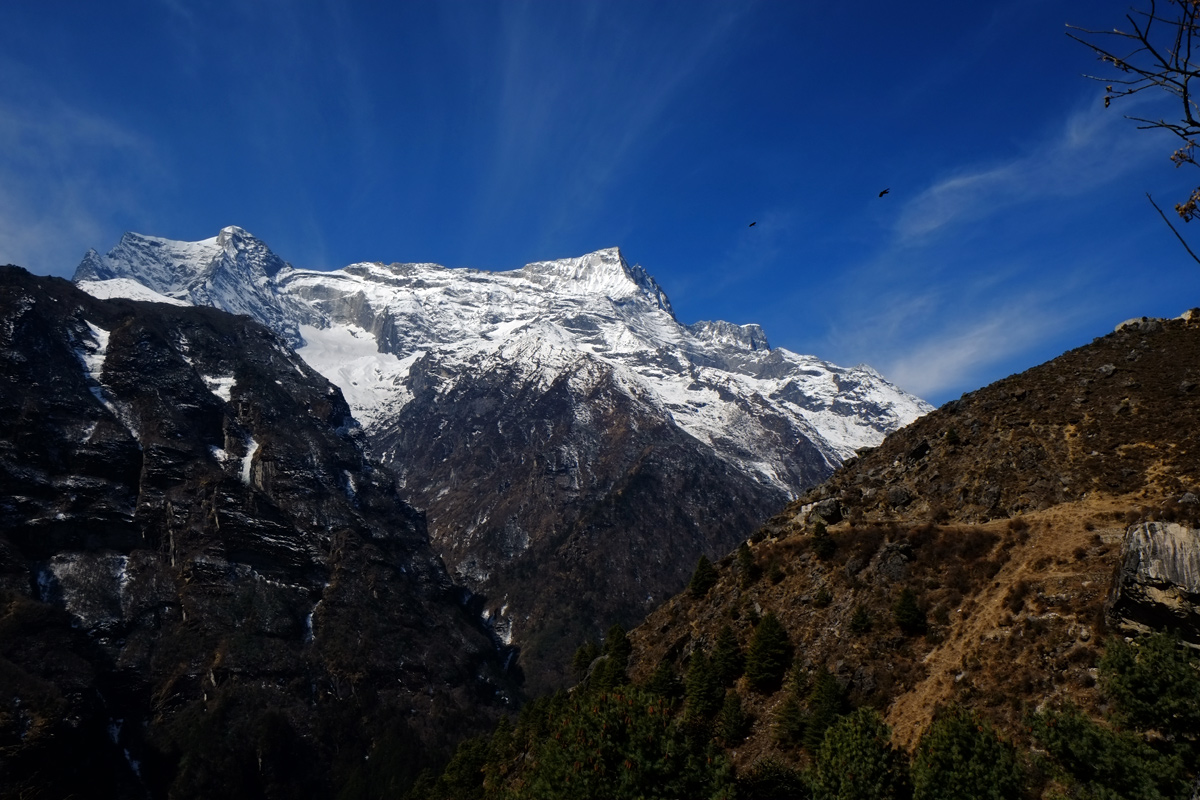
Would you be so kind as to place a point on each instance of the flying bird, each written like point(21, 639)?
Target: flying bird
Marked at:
point(752, 224)
point(885, 191)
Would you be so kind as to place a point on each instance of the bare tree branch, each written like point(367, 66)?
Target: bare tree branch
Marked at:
point(1159, 57)
point(1172, 227)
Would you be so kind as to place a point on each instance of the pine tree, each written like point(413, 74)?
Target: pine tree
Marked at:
point(747, 566)
point(1155, 684)
point(617, 745)
point(463, 776)
point(611, 670)
point(960, 756)
point(907, 615)
point(732, 724)
point(857, 762)
point(618, 647)
point(860, 620)
point(826, 702)
point(771, 779)
point(584, 656)
point(703, 693)
point(727, 660)
point(664, 682)
point(790, 719)
point(703, 579)
point(1109, 764)
point(605, 675)
point(769, 654)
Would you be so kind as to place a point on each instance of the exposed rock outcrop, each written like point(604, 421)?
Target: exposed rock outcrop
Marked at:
point(1157, 586)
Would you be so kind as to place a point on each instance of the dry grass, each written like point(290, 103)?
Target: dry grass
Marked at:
point(1009, 538)
point(1044, 603)
point(1015, 612)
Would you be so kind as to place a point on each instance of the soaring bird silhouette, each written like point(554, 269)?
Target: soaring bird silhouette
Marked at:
point(752, 224)
point(885, 191)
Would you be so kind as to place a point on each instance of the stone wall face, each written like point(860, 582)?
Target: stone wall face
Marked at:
point(1157, 586)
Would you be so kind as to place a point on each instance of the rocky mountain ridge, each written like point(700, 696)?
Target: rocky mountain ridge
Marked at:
point(207, 587)
point(597, 304)
point(555, 420)
point(979, 556)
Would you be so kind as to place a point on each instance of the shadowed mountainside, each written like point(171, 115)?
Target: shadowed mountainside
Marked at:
point(206, 588)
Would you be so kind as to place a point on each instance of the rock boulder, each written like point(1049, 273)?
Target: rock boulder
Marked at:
point(1157, 586)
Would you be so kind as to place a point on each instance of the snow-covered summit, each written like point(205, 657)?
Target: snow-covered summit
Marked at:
point(366, 325)
point(604, 273)
point(233, 271)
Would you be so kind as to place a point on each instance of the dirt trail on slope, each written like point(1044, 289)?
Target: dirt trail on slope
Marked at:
point(1064, 567)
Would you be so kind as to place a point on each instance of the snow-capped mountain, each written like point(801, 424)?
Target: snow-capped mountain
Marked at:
point(232, 271)
point(526, 410)
point(363, 326)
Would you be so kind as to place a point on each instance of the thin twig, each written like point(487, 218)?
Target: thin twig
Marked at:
point(1172, 227)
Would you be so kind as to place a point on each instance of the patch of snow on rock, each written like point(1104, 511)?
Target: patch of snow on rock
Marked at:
point(248, 460)
point(221, 386)
point(372, 382)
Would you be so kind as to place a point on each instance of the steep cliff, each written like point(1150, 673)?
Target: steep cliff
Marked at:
point(206, 587)
point(1157, 586)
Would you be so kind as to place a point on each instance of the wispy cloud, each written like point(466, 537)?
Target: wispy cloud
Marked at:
point(947, 357)
point(581, 96)
point(65, 173)
point(180, 10)
point(975, 275)
point(1092, 148)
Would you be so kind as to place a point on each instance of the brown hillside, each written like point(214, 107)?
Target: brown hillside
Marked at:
point(1002, 511)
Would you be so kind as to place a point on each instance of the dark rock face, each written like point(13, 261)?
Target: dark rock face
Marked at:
point(204, 583)
point(1158, 584)
point(571, 505)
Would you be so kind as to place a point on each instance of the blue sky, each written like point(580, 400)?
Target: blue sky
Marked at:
point(491, 134)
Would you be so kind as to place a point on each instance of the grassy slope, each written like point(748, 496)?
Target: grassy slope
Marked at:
point(1003, 511)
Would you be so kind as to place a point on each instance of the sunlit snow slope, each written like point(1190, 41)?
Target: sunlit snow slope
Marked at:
point(721, 383)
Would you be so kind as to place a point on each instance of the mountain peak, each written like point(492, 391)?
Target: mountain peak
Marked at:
point(603, 272)
point(233, 270)
point(231, 239)
point(239, 244)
